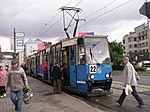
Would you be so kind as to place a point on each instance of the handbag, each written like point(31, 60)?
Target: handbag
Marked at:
point(27, 95)
point(128, 89)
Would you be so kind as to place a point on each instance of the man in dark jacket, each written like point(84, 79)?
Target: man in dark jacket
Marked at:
point(57, 79)
point(65, 75)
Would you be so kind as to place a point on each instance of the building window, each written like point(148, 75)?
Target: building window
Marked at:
point(135, 45)
point(139, 45)
point(140, 50)
point(130, 46)
point(124, 41)
point(144, 50)
point(135, 51)
point(129, 39)
point(146, 43)
point(139, 38)
point(143, 44)
point(134, 39)
point(139, 34)
point(142, 37)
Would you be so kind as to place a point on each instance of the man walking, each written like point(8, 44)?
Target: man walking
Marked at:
point(16, 81)
point(130, 77)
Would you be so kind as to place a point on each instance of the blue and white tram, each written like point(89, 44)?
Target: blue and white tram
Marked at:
point(88, 62)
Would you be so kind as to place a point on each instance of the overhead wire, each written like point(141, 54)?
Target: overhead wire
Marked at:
point(108, 11)
point(105, 11)
point(96, 10)
point(21, 10)
point(57, 20)
point(79, 2)
point(47, 24)
point(50, 22)
point(101, 8)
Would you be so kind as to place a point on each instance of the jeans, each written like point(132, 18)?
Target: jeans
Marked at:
point(134, 93)
point(16, 97)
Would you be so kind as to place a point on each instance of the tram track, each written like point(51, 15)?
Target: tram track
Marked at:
point(108, 104)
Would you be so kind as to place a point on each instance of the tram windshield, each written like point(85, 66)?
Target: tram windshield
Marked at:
point(97, 50)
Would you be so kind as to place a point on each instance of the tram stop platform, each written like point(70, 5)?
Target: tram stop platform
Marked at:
point(44, 101)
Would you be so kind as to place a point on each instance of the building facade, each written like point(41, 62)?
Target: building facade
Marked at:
point(137, 43)
point(33, 46)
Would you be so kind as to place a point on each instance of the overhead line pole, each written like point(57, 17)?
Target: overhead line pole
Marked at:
point(14, 56)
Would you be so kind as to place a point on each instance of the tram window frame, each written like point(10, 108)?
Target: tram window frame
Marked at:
point(81, 57)
point(41, 54)
point(72, 58)
point(53, 58)
point(38, 59)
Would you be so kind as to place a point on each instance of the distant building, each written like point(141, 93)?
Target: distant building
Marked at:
point(33, 46)
point(137, 43)
point(20, 57)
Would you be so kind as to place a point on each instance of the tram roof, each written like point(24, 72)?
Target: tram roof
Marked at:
point(72, 41)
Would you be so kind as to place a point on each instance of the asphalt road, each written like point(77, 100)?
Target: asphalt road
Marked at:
point(144, 79)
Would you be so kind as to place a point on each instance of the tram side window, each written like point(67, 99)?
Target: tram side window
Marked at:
point(82, 55)
point(81, 51)
point(72, 55)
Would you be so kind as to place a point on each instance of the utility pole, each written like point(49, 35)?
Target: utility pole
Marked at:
point(14, 56)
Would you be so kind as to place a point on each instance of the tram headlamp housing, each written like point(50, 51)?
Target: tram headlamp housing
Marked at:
point(107, 75)
point(92, 77)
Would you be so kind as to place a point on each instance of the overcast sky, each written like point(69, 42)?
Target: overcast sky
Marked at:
point(43, 19)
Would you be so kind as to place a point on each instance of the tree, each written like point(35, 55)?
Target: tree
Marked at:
point(116, 52)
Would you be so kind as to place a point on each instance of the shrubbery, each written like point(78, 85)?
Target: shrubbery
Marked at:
point(140, 69)
point(122, 66)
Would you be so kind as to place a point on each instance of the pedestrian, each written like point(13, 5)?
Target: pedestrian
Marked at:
point(17, 80)
point(130, 77)
point(3, 76)
point(56, 78)
point(45, 69)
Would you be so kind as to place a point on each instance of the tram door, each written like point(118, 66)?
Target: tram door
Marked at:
point(73, 71)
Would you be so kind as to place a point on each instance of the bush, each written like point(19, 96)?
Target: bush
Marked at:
point(120, 67)
point(140, 69)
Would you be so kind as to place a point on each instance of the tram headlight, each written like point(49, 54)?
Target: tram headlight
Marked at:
point(92, 77)
point(107, 75)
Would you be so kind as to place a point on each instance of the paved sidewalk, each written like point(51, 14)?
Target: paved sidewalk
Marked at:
point(44, 101)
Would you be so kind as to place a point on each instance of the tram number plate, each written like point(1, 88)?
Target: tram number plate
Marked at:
point(93, 68)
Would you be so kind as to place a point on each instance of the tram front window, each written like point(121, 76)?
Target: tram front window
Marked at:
point(97, 50)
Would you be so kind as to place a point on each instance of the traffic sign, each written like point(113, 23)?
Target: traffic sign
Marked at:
point(20, 42)
point(19, 34)
point(145, 9)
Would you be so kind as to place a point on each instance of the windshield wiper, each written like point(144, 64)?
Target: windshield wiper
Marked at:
point(91, 53)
